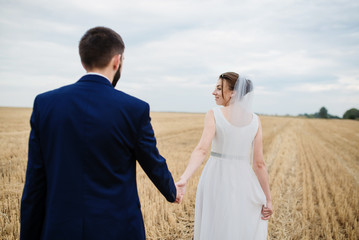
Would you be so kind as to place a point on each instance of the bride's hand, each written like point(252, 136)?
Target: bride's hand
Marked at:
point(267, 211)
point(181, 190)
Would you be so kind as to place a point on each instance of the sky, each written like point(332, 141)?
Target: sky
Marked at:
point(300, 55)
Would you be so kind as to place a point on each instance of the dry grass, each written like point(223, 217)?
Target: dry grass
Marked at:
point(313, 167)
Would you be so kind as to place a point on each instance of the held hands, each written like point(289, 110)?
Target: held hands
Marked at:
point(181, 190)
point(267, 211)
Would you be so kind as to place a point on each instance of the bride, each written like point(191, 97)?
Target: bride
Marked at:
point(233, 198)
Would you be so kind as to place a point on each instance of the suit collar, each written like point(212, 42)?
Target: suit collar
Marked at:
point(96, 78)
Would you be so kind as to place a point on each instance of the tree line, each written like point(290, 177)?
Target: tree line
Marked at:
point(352, 113)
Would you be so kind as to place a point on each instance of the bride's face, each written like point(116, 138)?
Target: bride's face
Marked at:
point(222, 93)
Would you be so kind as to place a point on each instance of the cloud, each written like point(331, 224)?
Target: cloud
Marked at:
point(346, 84)
point(175, 50)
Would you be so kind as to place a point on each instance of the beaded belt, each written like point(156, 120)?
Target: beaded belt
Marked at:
point(228, 156)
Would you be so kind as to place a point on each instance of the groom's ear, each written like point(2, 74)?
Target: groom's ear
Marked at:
point(116, 61)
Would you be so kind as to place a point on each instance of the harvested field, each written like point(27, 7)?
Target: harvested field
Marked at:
point(313, 166)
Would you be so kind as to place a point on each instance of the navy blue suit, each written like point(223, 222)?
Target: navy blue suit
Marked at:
point(81, 174)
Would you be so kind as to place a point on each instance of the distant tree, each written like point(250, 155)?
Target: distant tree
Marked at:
point(333, 116)
point(352, 113)
point(323, 113)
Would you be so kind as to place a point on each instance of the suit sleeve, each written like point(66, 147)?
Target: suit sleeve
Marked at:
point(151, 161)
point(33, 197)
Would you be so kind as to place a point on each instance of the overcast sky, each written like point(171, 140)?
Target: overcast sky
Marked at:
point(301, 55)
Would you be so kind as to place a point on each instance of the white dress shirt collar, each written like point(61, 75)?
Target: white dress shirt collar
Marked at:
point(99, 74)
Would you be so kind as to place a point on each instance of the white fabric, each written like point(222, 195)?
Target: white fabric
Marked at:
point(229, 197)
point(240, 105)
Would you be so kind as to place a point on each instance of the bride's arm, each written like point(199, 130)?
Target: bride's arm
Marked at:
point(200, 152)
point(261, 170)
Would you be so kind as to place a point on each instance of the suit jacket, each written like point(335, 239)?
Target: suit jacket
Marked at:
point(81, 174)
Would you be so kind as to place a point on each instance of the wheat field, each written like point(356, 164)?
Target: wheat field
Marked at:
point(313, 168)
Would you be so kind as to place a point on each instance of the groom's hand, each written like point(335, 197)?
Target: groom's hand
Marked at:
point(181, 190)
point(178, 197)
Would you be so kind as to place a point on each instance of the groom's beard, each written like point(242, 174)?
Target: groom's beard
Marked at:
point(116, 77)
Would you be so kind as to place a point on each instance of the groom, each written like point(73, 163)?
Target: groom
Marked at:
point(84, 142)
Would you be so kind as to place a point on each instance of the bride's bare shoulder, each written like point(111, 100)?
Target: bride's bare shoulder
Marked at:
point(209, 118)
point(210, 114)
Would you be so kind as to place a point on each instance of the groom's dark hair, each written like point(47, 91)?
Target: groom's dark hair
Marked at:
point(98, 46)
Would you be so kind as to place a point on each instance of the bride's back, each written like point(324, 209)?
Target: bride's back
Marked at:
point(232, 141)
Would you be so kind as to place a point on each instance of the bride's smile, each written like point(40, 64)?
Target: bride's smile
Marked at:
point(222, 93)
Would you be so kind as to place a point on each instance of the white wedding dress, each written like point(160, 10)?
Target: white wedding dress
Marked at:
point(229, 197)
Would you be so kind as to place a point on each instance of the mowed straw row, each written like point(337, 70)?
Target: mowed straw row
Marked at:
point(313, 168)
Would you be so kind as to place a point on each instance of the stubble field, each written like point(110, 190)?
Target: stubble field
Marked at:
point(313, 168)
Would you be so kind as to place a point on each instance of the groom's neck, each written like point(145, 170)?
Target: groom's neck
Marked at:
point(106, 72)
